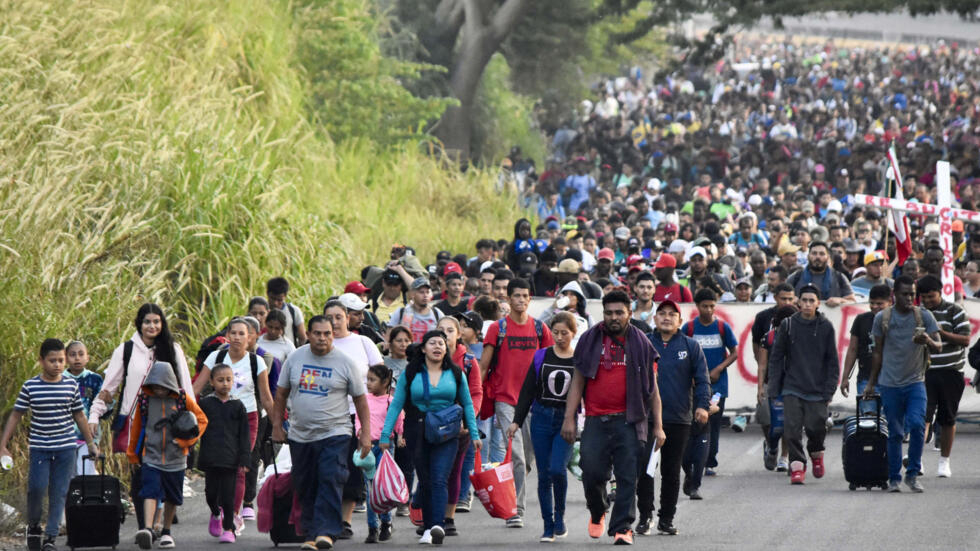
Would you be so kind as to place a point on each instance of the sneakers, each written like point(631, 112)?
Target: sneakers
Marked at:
point(324, 542)
point(894, 486)
point(560, 530)
point(797, 472)
point(643, 527)
point(402, 510)
point(438, 534)
point(385, 533)
point(624, 538)
point(782, 465)
point(463, 505)
point(666, 527)
point(248, 512)
point(709, 472)
point(548, 536)
point(166, 542)
point(943, 471)
point(449, 525)
point(768, 456)
point(239, 525)
point(49, 545)
point(227, 537)
point(144, 539)
point(818, 468)
point(372, 536)
point(347, 533)
point(913, 483)
point(426, 538)
point(515, 522)
point(597, 528)
point(214, 526)
point(695, 495)
point(308, 546)
point(34, 537)
point(360, 508)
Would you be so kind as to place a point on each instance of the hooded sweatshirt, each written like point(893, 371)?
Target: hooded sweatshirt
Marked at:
point(803, 361)
point(150, 439)
point(582, 318)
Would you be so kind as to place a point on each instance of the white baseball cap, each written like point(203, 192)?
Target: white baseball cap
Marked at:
point(352, 302)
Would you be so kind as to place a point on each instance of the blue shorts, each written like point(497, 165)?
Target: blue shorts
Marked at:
point(162, 486)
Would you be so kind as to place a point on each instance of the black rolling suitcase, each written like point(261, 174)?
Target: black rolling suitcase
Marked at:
point(865, 450)
point(93, 510)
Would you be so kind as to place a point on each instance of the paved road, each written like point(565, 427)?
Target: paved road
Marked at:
point(745, 507)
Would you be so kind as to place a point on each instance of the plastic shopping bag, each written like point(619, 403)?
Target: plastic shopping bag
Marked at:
point(388, 489)
point(495, 487)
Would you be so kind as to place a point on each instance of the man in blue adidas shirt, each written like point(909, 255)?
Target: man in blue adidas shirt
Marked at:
point(720, 346)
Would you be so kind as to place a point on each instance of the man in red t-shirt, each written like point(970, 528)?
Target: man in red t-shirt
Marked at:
point(504, 371)
point(667, 287)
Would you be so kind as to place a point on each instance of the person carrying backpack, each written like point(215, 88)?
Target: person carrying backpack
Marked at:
point(904, 335)
point(720, 348)
point(276, 289)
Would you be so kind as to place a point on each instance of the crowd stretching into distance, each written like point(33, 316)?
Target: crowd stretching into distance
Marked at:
point(729, 183)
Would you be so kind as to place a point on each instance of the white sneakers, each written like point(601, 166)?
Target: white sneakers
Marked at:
point(426, 538)
point(943, 471)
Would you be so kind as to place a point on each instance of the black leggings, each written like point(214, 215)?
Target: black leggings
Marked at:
point(260, 452)
point(219, 491)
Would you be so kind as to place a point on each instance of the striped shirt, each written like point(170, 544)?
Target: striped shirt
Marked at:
point(950, 318)
point(52, 406)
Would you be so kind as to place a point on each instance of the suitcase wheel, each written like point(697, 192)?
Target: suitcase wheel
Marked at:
point(852, 487)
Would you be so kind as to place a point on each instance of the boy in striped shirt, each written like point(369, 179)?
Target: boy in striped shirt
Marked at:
point(944, 378)
point(56, 408)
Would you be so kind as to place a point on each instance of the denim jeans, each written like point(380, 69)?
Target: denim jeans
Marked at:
point(433, 464)
point(464, 480)
point(715, 422)
point(610, 441)
point(461, 469)
point(372, 517)
point(504, 414)
point(905, 409)
point(696, 455)
point(551, 453)
point(49, 472)
point(319, 473)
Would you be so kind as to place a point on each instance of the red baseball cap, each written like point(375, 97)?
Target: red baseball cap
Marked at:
point(670, 303)
point(665, 260)
point(450, 268)
point(606, 254)
point(634, 259)
point(357, 288)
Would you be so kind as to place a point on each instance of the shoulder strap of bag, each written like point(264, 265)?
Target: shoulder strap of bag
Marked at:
point(538, 330)
point(539, 361)
point(220, 358)
point(721, 331)
point(127, 355)
point(689, 329)
point(886, 318)
point(253, 360)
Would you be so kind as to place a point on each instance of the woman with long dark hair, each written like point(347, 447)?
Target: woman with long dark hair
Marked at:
point(128, 367)
point(433, 392)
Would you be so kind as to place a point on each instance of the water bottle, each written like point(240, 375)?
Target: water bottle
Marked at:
point(715, 398)
point(6, 462)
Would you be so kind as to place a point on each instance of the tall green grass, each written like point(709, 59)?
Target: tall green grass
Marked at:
point(165, 152)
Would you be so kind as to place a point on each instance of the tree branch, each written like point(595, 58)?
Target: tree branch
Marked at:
point(507, 18)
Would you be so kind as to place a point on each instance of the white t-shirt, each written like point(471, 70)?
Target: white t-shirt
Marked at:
point(243, 389)
point(279, 348)
point(362, 351)
point(291, 321)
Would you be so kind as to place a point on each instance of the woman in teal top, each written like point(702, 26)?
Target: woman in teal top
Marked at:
point(431, 382)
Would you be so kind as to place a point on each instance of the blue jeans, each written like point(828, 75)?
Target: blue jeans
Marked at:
point(49, 472)
point(433, 464)
point(715, 422)
point(609, 441)
point(551, 453)
point(905, 409)
point(319, 473)
point(695, 456)
point(464, 480)
point(372, 517)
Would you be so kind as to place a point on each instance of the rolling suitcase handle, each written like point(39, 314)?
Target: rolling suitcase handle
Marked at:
point(102, 476)
point(874, 398)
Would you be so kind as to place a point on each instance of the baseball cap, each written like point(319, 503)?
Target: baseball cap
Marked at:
point(622, 232)
point(421, 282)
point(787, 248)
point(668, 303)
point(665, 260)
point(444, 255)
point(606, 254)
point(472, 320)
point(391, 276)
point(567, 266)
point(633, 259)
point(452, 275)
point(874, 256)
point(450, 268)
point(357, 288)
point(633, 242)
point(352, 302)
point(670, 227)
point(743, 281)
point(677, 246)
point(696, 251)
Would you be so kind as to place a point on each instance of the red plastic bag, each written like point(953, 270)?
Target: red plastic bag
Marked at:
point(495, 487)
point(389, 489)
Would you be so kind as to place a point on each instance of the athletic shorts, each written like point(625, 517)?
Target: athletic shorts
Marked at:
point(944, 388)
point(167, 486)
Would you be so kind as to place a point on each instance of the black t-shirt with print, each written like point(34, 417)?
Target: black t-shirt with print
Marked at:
point(550, 388)
point(861, 330)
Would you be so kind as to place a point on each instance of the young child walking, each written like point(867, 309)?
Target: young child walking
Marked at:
point(89, 383)
point(153, 443)
point(224, 451)
point(56, 409)
point(378, 397)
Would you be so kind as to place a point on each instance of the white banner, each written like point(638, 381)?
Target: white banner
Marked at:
point(742, 380)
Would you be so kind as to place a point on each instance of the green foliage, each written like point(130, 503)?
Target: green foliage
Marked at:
point(504, 118)
point(165, 153)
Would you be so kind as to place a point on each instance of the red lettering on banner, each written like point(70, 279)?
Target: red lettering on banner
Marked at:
point(744, 347)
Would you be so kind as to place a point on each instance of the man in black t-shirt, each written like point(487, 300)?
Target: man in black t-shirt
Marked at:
point(861, 345)
point(454, 294)
point(784, 296)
